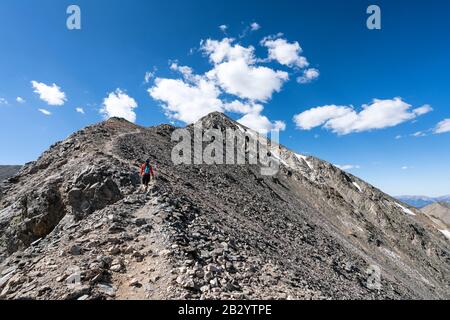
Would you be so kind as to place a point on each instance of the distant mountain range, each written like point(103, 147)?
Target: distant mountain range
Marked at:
point(422, 201)
point(8, 171)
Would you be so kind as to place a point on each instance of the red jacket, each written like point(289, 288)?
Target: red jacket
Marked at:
point(143, 169)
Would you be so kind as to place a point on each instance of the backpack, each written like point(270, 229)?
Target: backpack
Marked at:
point(147, 169)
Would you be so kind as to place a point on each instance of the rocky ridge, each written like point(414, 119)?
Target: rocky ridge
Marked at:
point(74, 225)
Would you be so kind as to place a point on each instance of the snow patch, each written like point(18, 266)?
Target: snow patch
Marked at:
point(405, 210)
point(302, 157)
point(390, 253)
point(446, 233)
point(357, 186)
point(280, 160)
point(243, 130)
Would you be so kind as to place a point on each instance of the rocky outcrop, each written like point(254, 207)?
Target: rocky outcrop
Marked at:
point(311, 231)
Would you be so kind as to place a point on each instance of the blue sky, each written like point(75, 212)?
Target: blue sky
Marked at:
point(120, 41)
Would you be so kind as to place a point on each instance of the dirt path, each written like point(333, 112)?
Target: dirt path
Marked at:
point(149, 278)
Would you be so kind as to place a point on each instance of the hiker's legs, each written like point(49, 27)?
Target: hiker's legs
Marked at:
point(146, 181)
point(143, 184)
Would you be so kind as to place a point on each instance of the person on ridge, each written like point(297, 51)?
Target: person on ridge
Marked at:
point(147, 173)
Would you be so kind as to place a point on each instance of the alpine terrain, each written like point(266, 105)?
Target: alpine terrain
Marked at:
point(439, 212)
point(8, 171)
point(75, 225)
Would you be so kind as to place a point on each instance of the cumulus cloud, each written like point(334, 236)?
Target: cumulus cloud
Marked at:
point(188, 102)
point(238, 106)
point(20, 100)
point(224, 50)
point(261, 123)
point(45, 112)
point(3, 101)
point(235, 83)
point(223, 28)
point(347, 167)
point(255, 26)
point(443, 126)
point(50, 94)
point(186, 71)
point(119, 104)
point(184, 101)
point(253, 118)
point(79, 110)
point(423, 110)
point(288, 54)
point(308, 75)
point(248, 82)
point(318, 116)
point(345, 119)
point(236, 73)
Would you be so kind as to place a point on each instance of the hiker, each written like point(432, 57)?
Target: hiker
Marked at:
point(147, 173)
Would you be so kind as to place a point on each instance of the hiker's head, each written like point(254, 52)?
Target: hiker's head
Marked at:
point(147, 161)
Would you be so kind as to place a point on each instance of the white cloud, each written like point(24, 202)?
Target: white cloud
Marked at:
point(318, 116)
point(187, 102)
point(79, 110)
point(288, 54)
point(398, 136)
point(50, 94)
point(235, 83)
point(224, 50)
point(261, 123)
point(246, 81)
point(223, 28)
point(148, 76)
point(236, 73)
point(423, 110)
point(405, 168)
point(186, 71)
point(237, 106)
point(308, 76)
point(344, 119)
point(20, 100)
point(419, 134)
point(3, 101)
point(255, 26)
point(443, 126)
point(119, 104)
point(46, 112)
point(347, 167)
point(190, 101)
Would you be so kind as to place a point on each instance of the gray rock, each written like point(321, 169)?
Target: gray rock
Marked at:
point(75, 250)
point(306, 232)
point(106, 289)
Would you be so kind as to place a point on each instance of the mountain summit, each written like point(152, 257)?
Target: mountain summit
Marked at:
point(74, 225)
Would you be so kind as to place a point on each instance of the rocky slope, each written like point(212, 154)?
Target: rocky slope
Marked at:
point(439, 212)
point(74, 225)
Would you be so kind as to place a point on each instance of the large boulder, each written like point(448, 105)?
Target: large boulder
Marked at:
point(93, 191)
